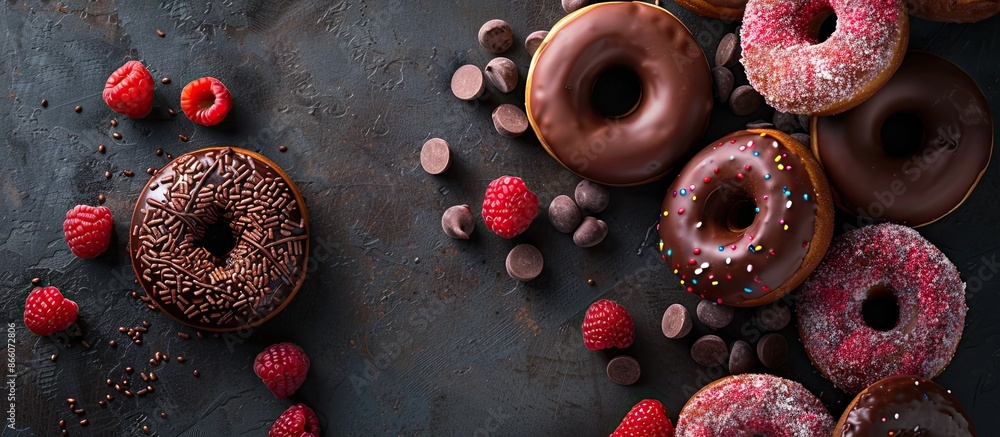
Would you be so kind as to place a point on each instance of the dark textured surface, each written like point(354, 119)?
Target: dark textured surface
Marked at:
point(444, 345)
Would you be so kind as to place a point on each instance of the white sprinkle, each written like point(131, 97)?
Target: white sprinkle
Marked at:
point(731, 157)
point(704, 265)
point(728, 260)
point(749, 268)
point(774, 144)
point(698, 225)
point(896, 416)
point(788, 204)
point(916, 382)
point(698, 271)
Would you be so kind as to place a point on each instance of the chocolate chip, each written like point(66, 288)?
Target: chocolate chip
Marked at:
point(803, 138)
point(78, 108)
point(101, 148)
point(509, 120)
point(724, 82)
point(160, 33)
point(435, 156)
point(502, 73)
point(468, 83)
point(713, 315)
point(590, 233)
point(534, 40)
point(760, 124)
point(806, 122)
point(591, 196)
point(458, 222)
point(728, 52)
point(709, 351)
point(772, 350)
point(564, 214)
point(573, 5)
point(745, 100)
point(524, 262)
point(676, 321)
point(45, 103)
point(774, 316)
point(741, 358)
point(165, 80)
point(786, 123)
point(624, 370)
point(496, 36)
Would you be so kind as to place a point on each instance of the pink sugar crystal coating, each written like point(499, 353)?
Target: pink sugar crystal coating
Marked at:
point(750, 405)
point(927, 287)
point(797, 75)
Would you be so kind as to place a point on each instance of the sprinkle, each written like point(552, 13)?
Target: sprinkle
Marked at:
point(805, 197)
point(763, 134)
point(729, 261)
point(683, 192)
point(756, 209)
point(707, 179)
point(774, 144)
point(670, 252)
point(747, 167)
point(693, 198)
point(896, 416)
point(661, 245)
point(733, 247)
point(786, 227)
point(756, 153)
point(694, 281)
point(739, 175)
point(758, 248)
point(698, 225)
point(751, 248)
point(788, 204)
point(749, 268)
point(716, 171)
point(767, 176)
point(731, 157)
point(715, 282)
point(777, 158)
point(704, 265)
point(742, 148)
point(680, 211)
point(722, 248)
point(781, 166)
point(765, 197)
point(698, 271)
point(750, 143)
point(675, 194)
point(697, 251)
point(788, 167)
point(691, 187)
point(747, 290)
point(692, 262)
point(666, 213)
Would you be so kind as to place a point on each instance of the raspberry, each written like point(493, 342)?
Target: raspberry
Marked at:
point(47, 312)
point(297, 421)
point(509, 206)
point(88, 230)
point(282, 367)
point(129, 90)
point(607, 325)
point(648, 418)
point(206, 101)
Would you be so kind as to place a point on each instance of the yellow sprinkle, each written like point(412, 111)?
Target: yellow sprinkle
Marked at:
point(758, 248)
point(781, 166)
point(777, 158)
point(682, 282)
point(661, 243)
point(693, 198)
point(715, 282)
point(763, 134)
point(666, 213)
point(786, 227)
point(675, 271)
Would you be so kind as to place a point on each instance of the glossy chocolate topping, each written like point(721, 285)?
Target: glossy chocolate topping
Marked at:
point(673, 109)
point(727, 3)
point(925, 185)
point(220, 238)
point(739, 220)
point(906, 406)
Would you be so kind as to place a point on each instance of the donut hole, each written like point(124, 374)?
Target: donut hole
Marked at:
point(616, 93)
point(902, 135)
point(218, 239)
point(734, 208)
point(880, 309)
point(824, 25)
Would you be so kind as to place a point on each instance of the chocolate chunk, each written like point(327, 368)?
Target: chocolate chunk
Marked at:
point(741, 358)
point(509, 120)
point(533, 41)
point(624, 370)
point(496, 36)
point(772, 350)
point(590, 233)
point(573, 5)
point(709, 351)
point(524, 262)
point(502, 73)
point(564, 214)
point(760, 124)
point(713, 315)
point(806, 122)
point(468, 83)
point(774, 316)
point(724, 82)
point(803, 138)
point(786, 123)
point(458, 222)
point(728, 52)
point(591, 196)
point(435, 156)
point(745, 100)
point(676, 321)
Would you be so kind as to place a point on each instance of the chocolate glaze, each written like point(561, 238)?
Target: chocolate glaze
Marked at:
point(721, 9)
point(747, 166)
point(672, 113)
point(956, 146)
point(268, 221)
point(906, 405)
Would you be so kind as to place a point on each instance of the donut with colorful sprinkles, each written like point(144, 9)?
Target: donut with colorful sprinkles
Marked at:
point(747, 219)
point(888, 266)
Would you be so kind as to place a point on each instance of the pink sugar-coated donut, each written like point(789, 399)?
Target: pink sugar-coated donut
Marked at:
point(926, 286)
point(750, 405)
point(797, 74)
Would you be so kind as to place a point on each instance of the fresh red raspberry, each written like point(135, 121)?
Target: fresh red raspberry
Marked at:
point(648, 418)
point(607, 325)
point(47, 312)
point(282, 367)
point(129, 90)
point(509, 206)
point(88, 230)
point(297, 421)
point(206, 101)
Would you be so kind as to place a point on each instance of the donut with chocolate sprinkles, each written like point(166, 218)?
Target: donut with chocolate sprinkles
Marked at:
point(219, 239)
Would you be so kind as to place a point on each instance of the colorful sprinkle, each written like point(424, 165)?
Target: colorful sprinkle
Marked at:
point(684, 192)
point(666, 213)
point(698, 225)
point(777, 158)
point(728, 261)
point(707, 179)
point(781, 166)
point(693, 198)
point(788, 204)
point(805, 197)
point(697, 251)
point(756, 153)
point(680, 211)
point(670, 252)
point(749, 268)
point(767, 176)
point(722, 248)
point(704, 265)
point(747, 290)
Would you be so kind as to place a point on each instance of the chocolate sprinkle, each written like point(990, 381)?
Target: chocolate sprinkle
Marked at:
point(78, 108)
point(160, 33)
point(101, 148)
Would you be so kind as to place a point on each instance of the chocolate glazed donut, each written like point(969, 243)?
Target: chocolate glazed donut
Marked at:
point(719, 9)
point(886, 159)
point(905, 405)
point(748, 219)
point(674, 95)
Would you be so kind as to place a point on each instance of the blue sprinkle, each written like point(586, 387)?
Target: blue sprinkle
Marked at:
point(751, 248)
point(748, 290)
point(694, 281)
point(684, 191)
point(722, 248)
point(757, 209)
point(805, 197)
point(767, 176)
point(756, 153)
point(670, 252)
